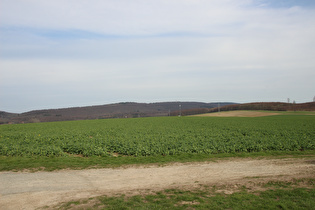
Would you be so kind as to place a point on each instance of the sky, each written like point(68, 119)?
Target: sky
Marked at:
point(69, 53)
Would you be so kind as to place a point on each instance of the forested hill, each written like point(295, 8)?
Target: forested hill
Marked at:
point(118, 110)
point(269, 106)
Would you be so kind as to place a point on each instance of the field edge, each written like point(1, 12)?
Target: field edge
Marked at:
point(33, 164)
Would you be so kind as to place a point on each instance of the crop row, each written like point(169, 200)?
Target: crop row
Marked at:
point(159, 136)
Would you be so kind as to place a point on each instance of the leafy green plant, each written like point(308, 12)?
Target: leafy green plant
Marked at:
point(158, 136)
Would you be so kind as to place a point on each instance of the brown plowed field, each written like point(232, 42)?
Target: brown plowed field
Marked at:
point(237, 114)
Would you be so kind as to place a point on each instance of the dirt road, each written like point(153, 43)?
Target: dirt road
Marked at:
point(21, 190)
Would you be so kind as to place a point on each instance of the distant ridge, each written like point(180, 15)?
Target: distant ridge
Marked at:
point(133, 109)
point(270, 106)
point(117, 110)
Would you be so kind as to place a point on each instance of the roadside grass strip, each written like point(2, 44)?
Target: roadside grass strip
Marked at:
point(274, 195)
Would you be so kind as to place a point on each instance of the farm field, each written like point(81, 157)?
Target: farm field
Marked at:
point(161, 138)
point(158, 136)
point(256, 113)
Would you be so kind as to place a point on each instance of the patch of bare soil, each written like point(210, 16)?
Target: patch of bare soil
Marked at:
point(237, 114)
point(21, 190)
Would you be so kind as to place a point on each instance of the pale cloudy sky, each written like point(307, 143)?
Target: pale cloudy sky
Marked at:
point(66, 53)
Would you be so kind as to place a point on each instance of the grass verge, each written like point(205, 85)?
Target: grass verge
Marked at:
point(280, 195)
point(75, 162)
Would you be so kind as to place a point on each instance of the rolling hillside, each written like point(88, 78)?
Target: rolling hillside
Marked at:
point(118, 110)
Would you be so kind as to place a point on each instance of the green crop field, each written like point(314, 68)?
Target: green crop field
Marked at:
point(161, 136)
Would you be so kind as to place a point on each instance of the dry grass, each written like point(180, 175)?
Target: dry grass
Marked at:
point(237, 114)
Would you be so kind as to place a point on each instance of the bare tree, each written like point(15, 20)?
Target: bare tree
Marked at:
point(288, 100)
point(314, 99)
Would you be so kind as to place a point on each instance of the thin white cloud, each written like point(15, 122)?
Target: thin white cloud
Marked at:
point(140, 17)
point(87, 52)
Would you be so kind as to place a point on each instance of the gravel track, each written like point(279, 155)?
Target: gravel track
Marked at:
point(21, 190)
